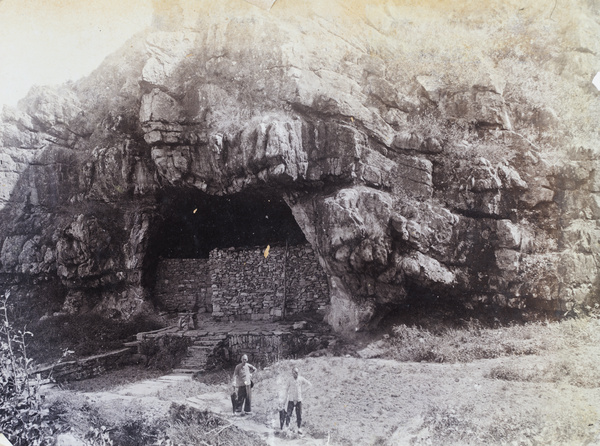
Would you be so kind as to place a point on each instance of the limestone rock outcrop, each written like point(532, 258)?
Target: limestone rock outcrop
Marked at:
point(465, 171)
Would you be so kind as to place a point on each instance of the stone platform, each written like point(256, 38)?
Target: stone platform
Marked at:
point(263, 342)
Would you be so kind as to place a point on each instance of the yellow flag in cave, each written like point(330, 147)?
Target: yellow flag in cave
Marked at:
point(266, 253)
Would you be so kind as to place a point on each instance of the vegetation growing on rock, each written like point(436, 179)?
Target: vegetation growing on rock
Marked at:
point(430, 151)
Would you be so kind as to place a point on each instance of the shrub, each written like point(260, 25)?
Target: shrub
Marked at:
point(509, 373)
point(24, 419)
point(99, 437)
point(135, 432)
point(100, 422)
point(191, 427)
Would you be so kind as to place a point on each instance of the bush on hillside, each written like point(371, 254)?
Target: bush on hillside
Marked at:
point(24, 418)
point(462, 345)
point(191, 426)
point(99, 422)
point(84, 334)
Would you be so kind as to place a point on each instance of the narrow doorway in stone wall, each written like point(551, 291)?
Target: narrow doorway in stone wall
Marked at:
point(236, 257)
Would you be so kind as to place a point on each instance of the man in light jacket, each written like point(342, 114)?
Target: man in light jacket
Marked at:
point(295, 389)
point(242, 384)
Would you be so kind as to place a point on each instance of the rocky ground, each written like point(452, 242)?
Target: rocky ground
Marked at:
point(549, 396)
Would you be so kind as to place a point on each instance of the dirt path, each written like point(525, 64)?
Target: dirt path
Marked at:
point(376, 398)
point(552, 398)
point(149, 392)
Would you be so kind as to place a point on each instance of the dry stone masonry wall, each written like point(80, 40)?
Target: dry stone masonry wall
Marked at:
point(306, 287)
point(85, 368)
point(243, 284)
point(246, 285)
point(183, 285)
point(266, 348)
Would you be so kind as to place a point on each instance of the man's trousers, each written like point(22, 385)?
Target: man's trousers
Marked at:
point(244, 394)
point(290, 409)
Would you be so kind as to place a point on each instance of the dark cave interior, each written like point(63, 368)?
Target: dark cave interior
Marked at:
point(195, 223)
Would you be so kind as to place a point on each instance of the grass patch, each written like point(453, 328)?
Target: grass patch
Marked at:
point(457, 425)
point(460, 426)
point(410, 343)
point(358, 401)
point(577, 372)
point(462, 345)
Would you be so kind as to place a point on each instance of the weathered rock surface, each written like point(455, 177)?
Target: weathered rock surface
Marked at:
point(474, 185)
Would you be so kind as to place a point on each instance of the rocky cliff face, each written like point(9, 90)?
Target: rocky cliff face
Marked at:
point(425, 152)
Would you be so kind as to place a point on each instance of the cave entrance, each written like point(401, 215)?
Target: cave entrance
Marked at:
point(211, 257)
point(195, 223)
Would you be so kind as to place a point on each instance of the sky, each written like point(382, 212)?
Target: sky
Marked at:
point(47, 42)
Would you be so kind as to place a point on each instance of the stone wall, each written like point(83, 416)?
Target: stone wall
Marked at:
point(183, 284)
point(85, 368)
point(306, 287)
point(246, 285)
point(266, 348)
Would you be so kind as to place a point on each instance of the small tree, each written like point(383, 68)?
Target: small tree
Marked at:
point(23, 418)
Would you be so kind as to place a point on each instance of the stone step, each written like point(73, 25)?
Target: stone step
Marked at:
point(197, 355)
point(194, 337)
point(203, 343)
point(192, 366)
point(202, 346)
point(186, 372)
point(196, 364)
point(198, 351)
point(216, 338)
